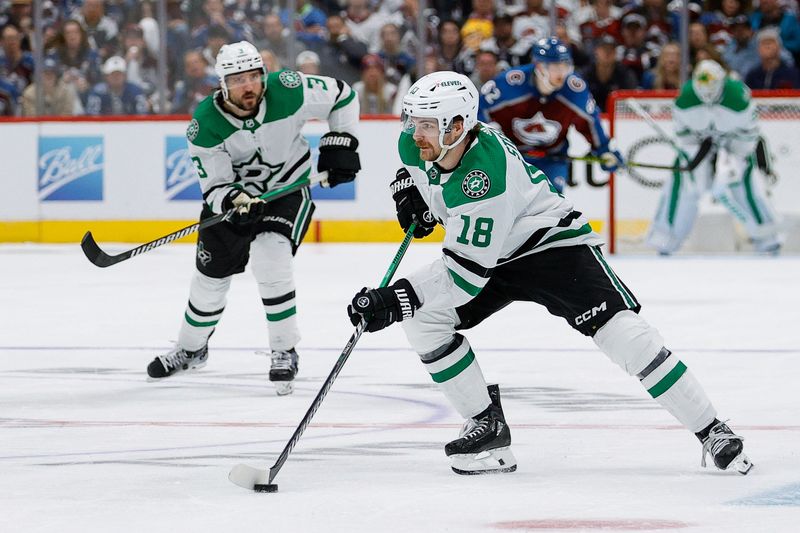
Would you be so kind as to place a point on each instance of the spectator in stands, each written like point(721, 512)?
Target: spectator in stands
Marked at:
point(142, 65)
point(486, 66)
point(8, 98)
point(308, 62)
point(59, 98)
point(719, 18)
point(276, 38)
point(397, 62)
point(772, 72)
point(667, 72)
point(178, 40)
point(511, 52)
point(598, 18)
point(341, 55)
point(116, 96)
point(449, 45)
point(479, 23)
point(533, 23)
point(16, 65)
point(659, 25)
point(709, 51)
point(741, 52)
point(271, 61)
point(375, 94)
point(72, 50)
point(606, 74)
point(635, 53)
point(101, 29)
point(218, 36)
point(309, 22)
point(198, 82)
point(213, 16)
point(365, 25)
point(580, 58)
point(16, 13)
point(773, 13)
point(698, 38)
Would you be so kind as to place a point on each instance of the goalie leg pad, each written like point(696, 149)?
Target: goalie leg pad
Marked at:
point(272, 264)
point(207, 299)
point(677, 210)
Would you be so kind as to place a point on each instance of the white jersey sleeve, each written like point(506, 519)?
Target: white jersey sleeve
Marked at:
point(330, 99)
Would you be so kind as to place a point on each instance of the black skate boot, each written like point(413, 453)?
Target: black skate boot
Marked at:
point(176, 361)
point(484, 446)
point(725, 446)
point(283, 370)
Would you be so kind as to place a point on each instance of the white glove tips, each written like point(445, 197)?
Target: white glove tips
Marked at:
point(248, 209)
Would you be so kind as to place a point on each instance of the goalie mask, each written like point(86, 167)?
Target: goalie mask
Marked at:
point(440, 97)
point(708, 80)
point(235, 58)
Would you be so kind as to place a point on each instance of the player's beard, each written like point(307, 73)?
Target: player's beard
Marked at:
point(248, 101)
point(426, 151)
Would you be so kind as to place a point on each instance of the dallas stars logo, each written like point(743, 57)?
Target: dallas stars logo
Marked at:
point(476, 184)
point(433, 175)
point(257, 172)
point(289, 79)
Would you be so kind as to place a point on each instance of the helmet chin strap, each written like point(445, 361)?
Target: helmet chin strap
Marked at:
point(448, 147)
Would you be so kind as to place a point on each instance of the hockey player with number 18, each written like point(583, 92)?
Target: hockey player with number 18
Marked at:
point(244, 141)
point(715, 106)
point(509, 236)
point(535, 105)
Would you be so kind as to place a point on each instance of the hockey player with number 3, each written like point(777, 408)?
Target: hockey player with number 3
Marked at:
point(245, 140)
point(509, 236)
point(714, 106)
point(535, 105)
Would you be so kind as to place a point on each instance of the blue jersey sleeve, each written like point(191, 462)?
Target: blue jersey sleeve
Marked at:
point(575, 94)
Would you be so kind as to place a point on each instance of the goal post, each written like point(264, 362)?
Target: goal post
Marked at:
point(638, 128)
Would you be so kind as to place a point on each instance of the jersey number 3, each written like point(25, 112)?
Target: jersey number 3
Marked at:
point(481, 234)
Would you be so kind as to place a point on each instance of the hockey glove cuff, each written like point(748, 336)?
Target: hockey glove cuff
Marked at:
point(248, 209)
point(385, 306)
point(611, 160)
point(338, 156)
point(410, 204)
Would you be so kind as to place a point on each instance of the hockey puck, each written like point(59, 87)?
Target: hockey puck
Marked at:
point(267, 487)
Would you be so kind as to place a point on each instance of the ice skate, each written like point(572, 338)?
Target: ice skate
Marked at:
point(176, 361)
point(484, 445)
point(283, 370)
point(725, 448)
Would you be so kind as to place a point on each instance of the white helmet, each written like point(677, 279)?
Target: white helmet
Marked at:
point(708, 80)
point(442, 96)
point(235, 58)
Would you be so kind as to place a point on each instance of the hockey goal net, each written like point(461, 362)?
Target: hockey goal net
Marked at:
point(634, 194)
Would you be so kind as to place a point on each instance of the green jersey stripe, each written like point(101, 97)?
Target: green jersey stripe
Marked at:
point(567, 234)
point(465, 285)
point(668, 381)
point(282, 315)
point(455, 369)
point(197, 324)
point(344, 102)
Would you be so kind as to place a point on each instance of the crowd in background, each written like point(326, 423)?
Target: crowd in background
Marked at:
point(100, 57)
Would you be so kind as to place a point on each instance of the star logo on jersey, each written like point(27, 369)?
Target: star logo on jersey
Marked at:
point(192, 130)
point(433, 175)
point(476, 184)
point(289, 79)
point(537, 130)
point(256, 172)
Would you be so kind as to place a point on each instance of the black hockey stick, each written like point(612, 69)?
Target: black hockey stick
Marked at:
point(100, 258)
point(597, 159)
point(260, 480)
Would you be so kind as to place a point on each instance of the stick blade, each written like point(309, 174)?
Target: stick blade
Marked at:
point(93, 252)
point(248, 477)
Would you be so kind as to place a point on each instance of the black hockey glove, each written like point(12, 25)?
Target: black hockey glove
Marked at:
point(337, 155)
point(409, 203)
point(385, 306)
point(248, 209)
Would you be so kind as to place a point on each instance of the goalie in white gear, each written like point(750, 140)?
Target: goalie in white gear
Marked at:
point(509, 237)
point(244, 141)
point(714, 106)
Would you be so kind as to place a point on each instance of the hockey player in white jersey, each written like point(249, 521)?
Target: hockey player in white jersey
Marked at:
point(245, 140)
point(510, 237)
point(714, 106)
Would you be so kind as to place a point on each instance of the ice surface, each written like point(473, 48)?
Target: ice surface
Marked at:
point(86, 444)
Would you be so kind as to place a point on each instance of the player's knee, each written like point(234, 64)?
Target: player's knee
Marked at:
point(271, 257)
point(209, 292)
point(628, 340)
point(425, 335)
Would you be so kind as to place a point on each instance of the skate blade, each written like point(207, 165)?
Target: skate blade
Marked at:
point(283, 388)
point(741, 464)
point(187, 371)
point(496, 461)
